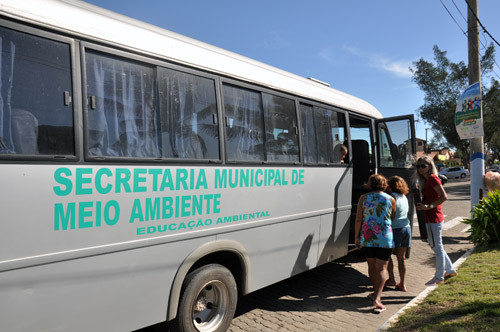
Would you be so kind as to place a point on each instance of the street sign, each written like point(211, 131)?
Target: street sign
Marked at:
point(468, 117)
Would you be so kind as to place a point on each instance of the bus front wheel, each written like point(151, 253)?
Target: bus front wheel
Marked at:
point(208, 300)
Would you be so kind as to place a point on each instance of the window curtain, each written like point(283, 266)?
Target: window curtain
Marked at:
point(280, 123)
point(323, 134)
point(124, 122)
point(180, 132)
point(7, 52)
point(310, 145)
point(245, 132)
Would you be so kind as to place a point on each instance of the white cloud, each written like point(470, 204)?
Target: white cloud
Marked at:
point(353, 50)
point(399, 68)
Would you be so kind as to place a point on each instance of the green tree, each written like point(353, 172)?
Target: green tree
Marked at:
point(491, 112)
point(442, 83)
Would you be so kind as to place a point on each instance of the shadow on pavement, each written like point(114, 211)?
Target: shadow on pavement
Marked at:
point(327, 288)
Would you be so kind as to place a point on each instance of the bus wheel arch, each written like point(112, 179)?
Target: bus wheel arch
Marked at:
point(229, 254)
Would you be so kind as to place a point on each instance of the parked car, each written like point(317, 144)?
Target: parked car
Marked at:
point(494, 168)
point(443, 179)
point(439, 166)
point(455, 172)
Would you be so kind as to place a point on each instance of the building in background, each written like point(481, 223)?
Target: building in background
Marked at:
point(445, 156)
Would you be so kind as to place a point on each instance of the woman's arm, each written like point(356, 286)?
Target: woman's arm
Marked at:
point(442, 198)
point(393, 214)
point(442, 195)
point(359, 218)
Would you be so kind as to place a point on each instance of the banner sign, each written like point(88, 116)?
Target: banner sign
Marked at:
point(468, 117)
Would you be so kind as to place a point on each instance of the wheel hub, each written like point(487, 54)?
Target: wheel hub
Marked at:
point(210, 306)
point(201, 304)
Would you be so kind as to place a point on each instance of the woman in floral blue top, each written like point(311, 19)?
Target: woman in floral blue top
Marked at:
point(373, 233)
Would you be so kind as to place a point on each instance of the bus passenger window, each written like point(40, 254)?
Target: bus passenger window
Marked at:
point(36, 113)
point(187, 108)
point(281, 126)
point(323, 133)
point(244, 124)
point(339, 139)
point(309, 134)
point(123, 121)
point(323, 130)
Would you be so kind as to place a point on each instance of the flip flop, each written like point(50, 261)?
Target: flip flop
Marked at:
point(379, 310)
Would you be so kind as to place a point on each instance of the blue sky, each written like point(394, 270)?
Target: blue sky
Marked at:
point(362, 47)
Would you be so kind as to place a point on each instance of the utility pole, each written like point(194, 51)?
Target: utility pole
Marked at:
point(426, 143)
point(476, 144)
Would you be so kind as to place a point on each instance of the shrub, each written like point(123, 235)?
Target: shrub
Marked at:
point(485, 220)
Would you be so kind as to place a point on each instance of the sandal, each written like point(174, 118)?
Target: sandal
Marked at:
point(380, 310)
point(390, 284)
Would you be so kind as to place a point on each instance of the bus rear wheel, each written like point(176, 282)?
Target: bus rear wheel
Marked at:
point(208, 301)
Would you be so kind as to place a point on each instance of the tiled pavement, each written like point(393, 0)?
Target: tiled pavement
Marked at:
point(333, 297)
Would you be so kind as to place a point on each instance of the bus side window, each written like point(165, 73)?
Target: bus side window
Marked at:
point(322, 129)
point(123, 121)
point(339, 143)
point(282, 143)
point(309, 134)
point(324, 133)
point(187, 111)
point(36, 114)
point(244, 124)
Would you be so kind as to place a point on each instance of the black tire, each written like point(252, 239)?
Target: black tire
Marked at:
point(208, 300)
point(463, 175)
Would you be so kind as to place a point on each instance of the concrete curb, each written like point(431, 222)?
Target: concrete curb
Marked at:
point(420, 297)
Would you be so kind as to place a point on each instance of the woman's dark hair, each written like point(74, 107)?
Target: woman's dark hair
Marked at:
point(376, 182)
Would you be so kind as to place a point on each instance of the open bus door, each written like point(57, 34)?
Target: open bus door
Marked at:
point(396, 155)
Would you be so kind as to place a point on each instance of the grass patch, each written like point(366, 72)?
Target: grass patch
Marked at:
point(467, 302)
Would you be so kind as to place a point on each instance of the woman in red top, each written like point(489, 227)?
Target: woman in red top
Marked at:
point(433, 195)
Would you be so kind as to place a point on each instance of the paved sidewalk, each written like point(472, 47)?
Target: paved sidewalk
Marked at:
point(333, 297)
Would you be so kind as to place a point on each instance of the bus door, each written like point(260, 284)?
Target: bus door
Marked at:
point(363, 162)
point(396, 155)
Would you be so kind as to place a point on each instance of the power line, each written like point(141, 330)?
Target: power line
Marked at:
point(453, 18)
point(481, 24)
point(466, 33)
point(484, 31)
point(494, 60)
point(459, 10)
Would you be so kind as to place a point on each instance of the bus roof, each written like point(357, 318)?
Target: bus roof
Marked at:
point(94, 23)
